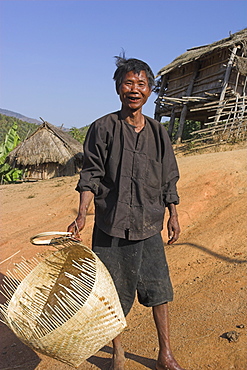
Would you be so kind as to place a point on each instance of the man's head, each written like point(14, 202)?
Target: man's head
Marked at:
point(135, 65)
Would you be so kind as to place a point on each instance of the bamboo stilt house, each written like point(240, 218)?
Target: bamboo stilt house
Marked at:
point(49, 152)
point(206, 84)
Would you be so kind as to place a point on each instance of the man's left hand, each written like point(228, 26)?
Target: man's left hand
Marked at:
point(173, 229)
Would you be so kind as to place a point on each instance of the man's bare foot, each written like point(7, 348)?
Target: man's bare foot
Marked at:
point(118, 359)
point(167, 362)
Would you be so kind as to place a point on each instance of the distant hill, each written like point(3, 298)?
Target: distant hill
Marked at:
point(24, 128)
point(19, 116)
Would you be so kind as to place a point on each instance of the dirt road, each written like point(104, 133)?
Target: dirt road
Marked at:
point(207, 265)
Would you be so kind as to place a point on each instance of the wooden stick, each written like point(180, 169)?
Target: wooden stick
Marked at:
point(177, 100)
point(9, 257)
point(185, 107)
point(225, 83)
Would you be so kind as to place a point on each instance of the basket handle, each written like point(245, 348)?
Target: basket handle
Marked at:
point(48, 241)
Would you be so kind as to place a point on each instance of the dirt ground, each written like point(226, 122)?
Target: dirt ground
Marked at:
point(207, 266)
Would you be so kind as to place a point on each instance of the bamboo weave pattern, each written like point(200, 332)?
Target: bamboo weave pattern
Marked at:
point(65, 306)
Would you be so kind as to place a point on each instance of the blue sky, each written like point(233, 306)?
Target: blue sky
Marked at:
point(57, 57)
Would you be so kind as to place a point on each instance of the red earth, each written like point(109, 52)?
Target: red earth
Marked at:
point(207, 266)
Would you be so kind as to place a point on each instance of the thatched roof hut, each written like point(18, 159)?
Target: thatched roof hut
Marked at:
point(196, 83)
point(48, 152)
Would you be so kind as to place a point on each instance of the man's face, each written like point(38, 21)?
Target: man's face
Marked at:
point(134, 90)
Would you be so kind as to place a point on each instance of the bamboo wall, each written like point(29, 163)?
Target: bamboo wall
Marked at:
point(207, 86)
point(47, 171)
point(210, 90)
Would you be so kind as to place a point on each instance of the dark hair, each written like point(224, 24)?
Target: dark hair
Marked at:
point(126, 65)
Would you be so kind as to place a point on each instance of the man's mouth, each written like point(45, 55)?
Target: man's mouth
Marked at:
point(133, 98)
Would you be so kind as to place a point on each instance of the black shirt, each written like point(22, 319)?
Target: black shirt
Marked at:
point(132, 175)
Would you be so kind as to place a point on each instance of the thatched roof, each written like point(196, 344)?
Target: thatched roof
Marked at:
point(48, 144)
point(201, 51)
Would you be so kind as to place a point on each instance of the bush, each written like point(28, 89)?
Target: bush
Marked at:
point(7, 173)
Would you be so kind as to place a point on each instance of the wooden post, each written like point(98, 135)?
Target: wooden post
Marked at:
point(185, 107)
point(181, 124)
point(171, 123)
point(157, 115)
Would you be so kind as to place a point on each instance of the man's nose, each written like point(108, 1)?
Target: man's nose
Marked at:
point(134, 87)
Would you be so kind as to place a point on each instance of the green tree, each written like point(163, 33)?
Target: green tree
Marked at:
point(24, 129)
point(79, 133)
point(7, 173)
point(189, 127)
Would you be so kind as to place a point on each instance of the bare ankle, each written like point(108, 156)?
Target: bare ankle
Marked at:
point(118, 359)
point(166, 361)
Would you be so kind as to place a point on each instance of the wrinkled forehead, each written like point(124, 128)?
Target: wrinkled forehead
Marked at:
point(137, 75)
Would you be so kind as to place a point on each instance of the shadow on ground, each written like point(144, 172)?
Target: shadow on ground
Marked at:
point(104, 363)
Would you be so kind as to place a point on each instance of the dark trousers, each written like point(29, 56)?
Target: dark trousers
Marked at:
point(135, 266)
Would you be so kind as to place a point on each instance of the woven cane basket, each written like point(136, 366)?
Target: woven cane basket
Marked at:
point(64, 306)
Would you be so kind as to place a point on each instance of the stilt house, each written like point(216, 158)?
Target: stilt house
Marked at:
point(206, 84)
point(49, 152)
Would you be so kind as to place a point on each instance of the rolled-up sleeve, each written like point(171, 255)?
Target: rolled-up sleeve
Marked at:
point(95, 152)
point(170, 194)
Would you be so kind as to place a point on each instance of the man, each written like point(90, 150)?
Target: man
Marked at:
point(131, 172)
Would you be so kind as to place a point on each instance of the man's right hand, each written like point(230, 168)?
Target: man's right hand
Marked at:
point(76, 226)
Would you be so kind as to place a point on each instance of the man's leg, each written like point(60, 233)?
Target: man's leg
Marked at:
point(165, 360)
point(118, 358)
point(123, 259)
